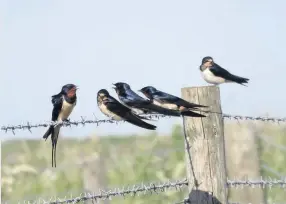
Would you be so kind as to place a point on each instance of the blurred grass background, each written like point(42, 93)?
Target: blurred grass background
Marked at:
point(27, 173)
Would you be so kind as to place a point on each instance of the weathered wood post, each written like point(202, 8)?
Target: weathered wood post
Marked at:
point(94, 171)
point(205, 153)
point(242, 159)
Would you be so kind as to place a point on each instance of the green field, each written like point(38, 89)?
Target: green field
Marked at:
point(27, 173)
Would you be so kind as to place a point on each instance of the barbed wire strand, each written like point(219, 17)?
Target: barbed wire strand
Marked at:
point(157, 188)
point(83, 121)
point(130, 190)
point(261, 183)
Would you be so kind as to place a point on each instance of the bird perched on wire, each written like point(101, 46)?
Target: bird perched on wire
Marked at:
point(63, 103)
point(215, 74)
point(112, 108)
point(169, 101)
point(139, 104)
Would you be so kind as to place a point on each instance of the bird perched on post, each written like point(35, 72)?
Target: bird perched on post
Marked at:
point(169, 101)
point(215, 74)
point(63, 103)
point(139, 104)
point(112, 108)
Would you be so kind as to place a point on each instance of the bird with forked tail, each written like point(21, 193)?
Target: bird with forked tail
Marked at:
point(215, 74)
point(113, 109)
point(139, 104)
point(169, 101)
point(63, 103)
point(145, 106)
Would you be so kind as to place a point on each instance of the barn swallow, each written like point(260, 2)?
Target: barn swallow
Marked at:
point(215, 74)
point(112, 108)
point(138, 104)
point(63, 103)
point(169, 101)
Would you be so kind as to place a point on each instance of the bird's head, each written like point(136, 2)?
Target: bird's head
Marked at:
point(207, 61)
point(148, 90)
point(102, 94)
point(69, 90)
point(121, 87)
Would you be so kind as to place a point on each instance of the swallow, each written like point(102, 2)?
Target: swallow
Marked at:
point(215, 74)
point(63, 104)
point(139, 104)
point(169, 101)
point(112, 108)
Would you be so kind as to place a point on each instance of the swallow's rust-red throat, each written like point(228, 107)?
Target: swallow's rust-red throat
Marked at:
point(71, 93)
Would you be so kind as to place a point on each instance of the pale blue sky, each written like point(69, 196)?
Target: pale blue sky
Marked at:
point(46, 44)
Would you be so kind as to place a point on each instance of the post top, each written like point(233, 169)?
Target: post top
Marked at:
point(192, 87)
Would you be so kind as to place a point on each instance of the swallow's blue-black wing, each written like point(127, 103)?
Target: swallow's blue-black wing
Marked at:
point(219, 71)
point(115, 106)
point(124, 112)
point(57, 101)
point(133, 100)
point(168, 98)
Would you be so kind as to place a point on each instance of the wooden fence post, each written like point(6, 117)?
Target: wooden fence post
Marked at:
point(94, 176)
point(242, 159)
point(205, 153)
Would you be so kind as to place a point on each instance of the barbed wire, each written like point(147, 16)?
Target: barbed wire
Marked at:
point(262, 183)
point(255, 118)
point(155, 188)
point(130, 190)
point(83, 121)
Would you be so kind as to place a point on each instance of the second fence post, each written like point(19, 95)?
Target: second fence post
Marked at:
point(205, 153)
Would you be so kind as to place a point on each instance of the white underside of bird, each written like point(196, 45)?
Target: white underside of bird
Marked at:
point(209, 77)
point(66, 110)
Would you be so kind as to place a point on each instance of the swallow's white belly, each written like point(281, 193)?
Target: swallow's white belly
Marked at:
point(66, 110)
point(166, 105)
point(209, 77)
point(108, 113)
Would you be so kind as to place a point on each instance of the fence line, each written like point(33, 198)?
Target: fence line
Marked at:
point(262, 183)
point(123, 191)
point(83, 121)
point(213, 139)
point(154, 187)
